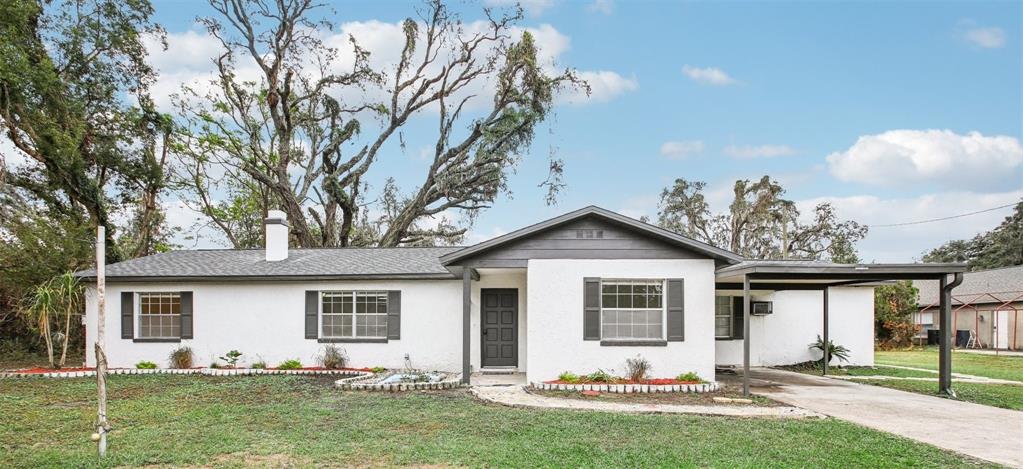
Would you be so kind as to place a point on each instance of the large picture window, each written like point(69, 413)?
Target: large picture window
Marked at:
point(632, 309)
point(353, 314)
point(723, 317)
point(159, 315)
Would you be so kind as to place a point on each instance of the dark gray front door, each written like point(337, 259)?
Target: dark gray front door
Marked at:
point(500, 324)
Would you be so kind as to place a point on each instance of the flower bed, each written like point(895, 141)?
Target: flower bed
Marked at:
point(372, 382)
point(87, 372)
point(654, 381)
point(648, 386)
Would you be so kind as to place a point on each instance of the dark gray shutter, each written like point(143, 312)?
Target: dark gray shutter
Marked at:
point(737, 324)
point(591, 308)
point(394, 314)
point(186, 315)
point(127, 315)
point(676, 310)
point(312, 309)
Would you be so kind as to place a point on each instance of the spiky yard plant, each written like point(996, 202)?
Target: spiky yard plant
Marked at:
point(834, 350)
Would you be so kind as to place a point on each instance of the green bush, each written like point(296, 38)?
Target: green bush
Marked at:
point(568, 377)
point(601, 376)
point(290, 365)
point(378, 369)
point(145, 365)
point(258, 365)
point(690, 376)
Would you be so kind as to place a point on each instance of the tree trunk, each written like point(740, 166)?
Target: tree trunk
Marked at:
point(101, 357)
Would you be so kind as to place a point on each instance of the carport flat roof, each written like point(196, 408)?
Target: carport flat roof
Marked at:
point(815, 273)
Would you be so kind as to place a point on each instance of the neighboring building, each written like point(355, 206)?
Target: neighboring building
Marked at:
point(579, 292)
point(989, 303)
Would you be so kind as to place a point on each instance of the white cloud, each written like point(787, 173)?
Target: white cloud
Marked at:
point(680, 149)
point(988, 37)
point(708, 76)
point(533, 7)
point(476, 237)
point(604, 86)
point(910, 242)
point(601, 6)
point(898, 157)
point(758, 151)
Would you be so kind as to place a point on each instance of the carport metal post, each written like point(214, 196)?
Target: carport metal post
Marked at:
point(466, 315)
point(745, 335)
point(945, 326)
point(827, 347)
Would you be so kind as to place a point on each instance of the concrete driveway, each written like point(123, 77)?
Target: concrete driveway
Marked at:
point(980, 431)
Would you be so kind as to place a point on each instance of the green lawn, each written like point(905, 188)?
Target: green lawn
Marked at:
point(991, 366)
point(282, 420)
point(996, 395)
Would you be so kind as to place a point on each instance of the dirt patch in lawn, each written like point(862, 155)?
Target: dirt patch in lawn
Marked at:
point(706, 398)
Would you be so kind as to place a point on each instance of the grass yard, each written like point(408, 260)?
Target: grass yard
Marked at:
point(995, 395)
point(291, 420)
point(863, 371)
point(991, 366)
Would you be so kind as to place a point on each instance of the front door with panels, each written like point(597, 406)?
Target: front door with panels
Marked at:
point(499, 324)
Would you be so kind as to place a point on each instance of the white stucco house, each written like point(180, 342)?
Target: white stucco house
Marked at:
point(579, 292)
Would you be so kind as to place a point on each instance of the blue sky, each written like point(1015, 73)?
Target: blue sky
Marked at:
point(894, 112)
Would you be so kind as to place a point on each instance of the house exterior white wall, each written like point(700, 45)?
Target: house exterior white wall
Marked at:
point(264, 320)
point(555, 327)
point(782, 338)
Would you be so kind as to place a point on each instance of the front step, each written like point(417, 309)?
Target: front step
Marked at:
point(499, 370)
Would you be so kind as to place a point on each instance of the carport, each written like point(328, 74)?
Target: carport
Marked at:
point(778, 275)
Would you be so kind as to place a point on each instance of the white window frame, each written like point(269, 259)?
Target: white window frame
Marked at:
point(355, 329)
point(138, 313)
point(663, 309)
point(731, 314)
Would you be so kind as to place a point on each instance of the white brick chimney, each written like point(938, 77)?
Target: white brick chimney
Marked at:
point(276, 224)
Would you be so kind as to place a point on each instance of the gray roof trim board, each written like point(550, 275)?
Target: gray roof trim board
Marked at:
point(645, 228)
point(816, 270)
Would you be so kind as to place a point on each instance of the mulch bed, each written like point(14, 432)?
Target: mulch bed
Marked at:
point(653, 382)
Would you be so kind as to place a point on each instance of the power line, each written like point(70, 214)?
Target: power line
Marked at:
point(944, 218)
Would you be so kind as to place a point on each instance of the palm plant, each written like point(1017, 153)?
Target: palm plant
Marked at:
point(39, 311)
point(59, 295)
point(833, 350)
point(70, 299)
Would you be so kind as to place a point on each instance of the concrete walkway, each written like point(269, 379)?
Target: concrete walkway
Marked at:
point(976, 430)
point(516, 396)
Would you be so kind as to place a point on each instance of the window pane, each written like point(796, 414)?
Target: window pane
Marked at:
point(609, 301)
point(609, 288)
point(625, 288)
point(625, 301)
point(639, 301)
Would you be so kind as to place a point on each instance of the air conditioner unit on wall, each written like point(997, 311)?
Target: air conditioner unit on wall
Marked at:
point(761, 308)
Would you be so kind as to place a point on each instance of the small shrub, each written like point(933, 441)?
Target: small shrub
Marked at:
point(637, 368)
point(182, 358)
point(216, 366)
point(601, 376)
point(834, 351)
point(231, 358)
point(145, 365)
point(378, 369)
point(290, 365)
point(333, 358)
point(689, 376)
point(258, 365)
point(568, 377)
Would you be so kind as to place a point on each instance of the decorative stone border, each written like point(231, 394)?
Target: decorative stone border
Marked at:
point(356, 383)
point(186, 371)
point(629, 388)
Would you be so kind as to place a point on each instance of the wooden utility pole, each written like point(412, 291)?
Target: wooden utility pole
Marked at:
point(101, 357)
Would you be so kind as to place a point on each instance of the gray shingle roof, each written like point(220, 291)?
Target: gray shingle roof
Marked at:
point(1005, 279)
point(410, 262)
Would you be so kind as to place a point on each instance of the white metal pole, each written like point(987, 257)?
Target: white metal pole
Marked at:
point(101, 358)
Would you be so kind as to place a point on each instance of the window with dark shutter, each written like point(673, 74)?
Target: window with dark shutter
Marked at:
point(591, 308)
point(127, 315)
point(676, 310)
point(737, 321)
